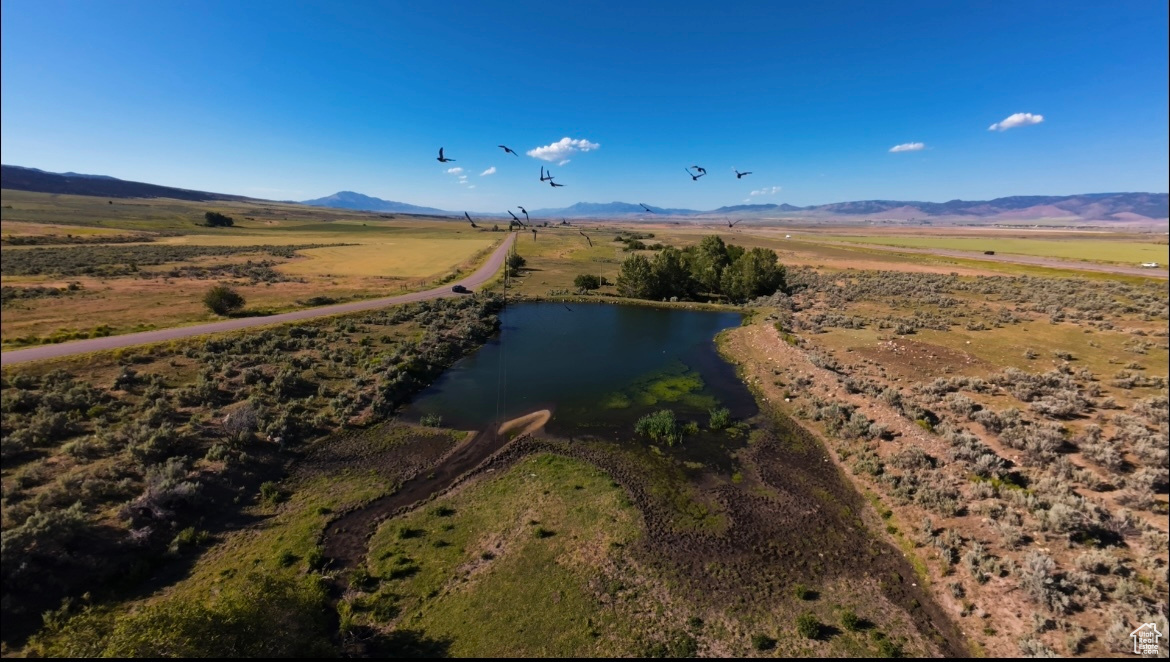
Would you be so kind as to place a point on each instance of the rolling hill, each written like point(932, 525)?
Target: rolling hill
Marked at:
point(71, 183)
point(1142, 208)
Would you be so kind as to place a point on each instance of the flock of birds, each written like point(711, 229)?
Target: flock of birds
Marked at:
point(547, 176)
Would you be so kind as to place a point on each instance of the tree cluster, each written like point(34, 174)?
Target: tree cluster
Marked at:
point(215, 219)
point(710, 269)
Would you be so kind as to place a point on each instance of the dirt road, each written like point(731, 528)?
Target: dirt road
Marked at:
point(481, 276)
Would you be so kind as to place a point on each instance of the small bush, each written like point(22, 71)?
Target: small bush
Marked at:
point(587, 282)
point(850, 621)
point(270, 493)
point(808, 626)
point(659, 426)
point(223, 300)
point(720, 418)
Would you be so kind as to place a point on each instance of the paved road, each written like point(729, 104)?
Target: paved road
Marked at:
point(481, 276)
point(1050, 262)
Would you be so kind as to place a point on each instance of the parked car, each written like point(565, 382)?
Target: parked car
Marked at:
point(459, 289)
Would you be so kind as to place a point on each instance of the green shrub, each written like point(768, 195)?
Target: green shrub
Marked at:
point(850, 621)
point(808, 626)
point(720, 418)
point(431, 420)
point(887, 647)
point(587, 282)
point(659, 426)
point(223, 300)
point(270, 493)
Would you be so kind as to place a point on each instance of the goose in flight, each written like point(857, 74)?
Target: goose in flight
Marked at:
point(544, 178)
point(553, 184)
point(514, 218)
point(694, 177)
point(508, 150)
point(646, 208)
point(739, 175)
point(525, 212)
point(443, 159)
point(582, 233)
point(730, 224)
point(700, 169)
point(469, 220)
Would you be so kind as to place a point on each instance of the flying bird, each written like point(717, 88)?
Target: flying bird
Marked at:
point(730, 224)
point(514, 218)
point(582, 233)
point(700, 169)
point(554, 184)
point(567, 307)
point(694, 177)
point(739, 175)
point(508, 150)
point(525, 212)
point(443, 159)
point(646, 208)
point(470, 221)
point(543, 178)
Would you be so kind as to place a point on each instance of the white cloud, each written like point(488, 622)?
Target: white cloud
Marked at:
point(767, 190)
point(561, 149)
point(908, 147)
point(561, 163)
point(1018, 119)
point(472, 186)
point(489, 171)
point(454, 171)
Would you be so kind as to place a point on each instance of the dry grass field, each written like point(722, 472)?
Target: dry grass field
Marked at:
point(349, 255)
point(1120, 250)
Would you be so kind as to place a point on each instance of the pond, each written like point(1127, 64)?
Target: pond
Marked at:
point(597, 367)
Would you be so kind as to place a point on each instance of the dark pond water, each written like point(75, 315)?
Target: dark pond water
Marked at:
point(598, 367)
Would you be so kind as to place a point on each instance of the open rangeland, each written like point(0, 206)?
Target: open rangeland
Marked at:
point(77, 267)
point(951, 457)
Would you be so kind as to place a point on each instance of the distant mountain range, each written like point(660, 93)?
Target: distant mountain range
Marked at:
point(71, 183)
point(1107, 207)
point(359, 202)
point(1119, 207)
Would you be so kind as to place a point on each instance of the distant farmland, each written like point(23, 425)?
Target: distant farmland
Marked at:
point(1098, 250)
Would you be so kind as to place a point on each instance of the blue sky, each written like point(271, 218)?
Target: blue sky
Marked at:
point(297, 100)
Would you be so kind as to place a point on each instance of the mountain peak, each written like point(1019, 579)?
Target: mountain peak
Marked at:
point(361, 202)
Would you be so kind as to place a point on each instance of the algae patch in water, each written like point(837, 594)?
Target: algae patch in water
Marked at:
point(674, 384)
